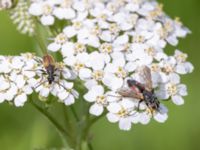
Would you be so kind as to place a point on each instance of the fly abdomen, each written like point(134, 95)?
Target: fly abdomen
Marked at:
point(50, 71)
point(151, 100)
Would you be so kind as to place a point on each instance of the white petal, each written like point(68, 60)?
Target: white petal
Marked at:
point(2, 98)
point(174, 78)
point(111, 68)
point(160, 117)
point(123, 39)
point(112, 117)
point(180, 69)
point(106, 36)
point(20, 82)
point(79, 5)
point(144, 118)
point(114, 107)
point(182, 90)
point(189, 67)
point(96, 109)
point(90, 83)
point(163, 109)
point(69, 31)
point(125, 124)
point(35, 9)
point(44, 92)
point(63, 95)
point(59, 13)
point(99, 90)
point(4, 85)
point(67, 49)
point(20, 100)
point(172, 40)
point(178, 100)
point(131, 66)
point(90, 96)
point(127, 103)
point(69, 13)
point(28, 90)
point(85, 73)
point(11, 92)
point(54, 47)
point(69, 100)
point(47, 20)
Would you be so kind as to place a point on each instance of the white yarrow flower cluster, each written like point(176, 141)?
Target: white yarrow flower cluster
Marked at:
point(103, 44)
point(112, 40)
point(21, 17)
point(21, 75)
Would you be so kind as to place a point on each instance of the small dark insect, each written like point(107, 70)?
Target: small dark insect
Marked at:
point(50, 68)
point(49, 65)
point(142, 92)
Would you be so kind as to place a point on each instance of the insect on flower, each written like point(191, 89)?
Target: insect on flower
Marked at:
point(142, 92)
point(49, 65)
point(51, 69)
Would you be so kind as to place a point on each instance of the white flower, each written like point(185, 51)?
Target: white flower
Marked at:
point(78, 63)
point(122, 112)
point(115, 72)
point(183, 67)
point(15, 86)
point(103, 43)
point(174, 90)
point(60, 42)
point(43, 9)
point(98, 97)
point(59, 87)
point(23, 74)
point(21, 17)
point(64, 10)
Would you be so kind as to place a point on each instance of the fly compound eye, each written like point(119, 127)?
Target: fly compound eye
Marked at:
point(131, 82)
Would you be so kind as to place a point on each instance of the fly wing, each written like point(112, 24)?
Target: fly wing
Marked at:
point(131, 93)
point(48, 60)
point(145, 74)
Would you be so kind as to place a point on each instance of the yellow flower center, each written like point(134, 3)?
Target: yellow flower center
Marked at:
point(138, 39)
point(101, 100)
point(157, 12)
point(121, 73)
point(106, 48)
point(181, 57)
point(155, 68)
point(77, 25)
point(150, 51)
point(47, 9)
point(114, 28)
point(79, 48)
point(61, 38)
point(78, 66)
point(168, 68)
point(98, 75)
point(96, 30)
point(172, 89)
point(123, 112)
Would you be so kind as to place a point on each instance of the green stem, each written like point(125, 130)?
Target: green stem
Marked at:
point(74, 113)
point(93, 121)
point(62, 132)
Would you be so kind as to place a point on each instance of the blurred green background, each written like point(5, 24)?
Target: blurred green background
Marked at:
point(26, 129)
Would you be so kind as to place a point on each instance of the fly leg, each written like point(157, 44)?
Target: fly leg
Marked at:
point(138, 107)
